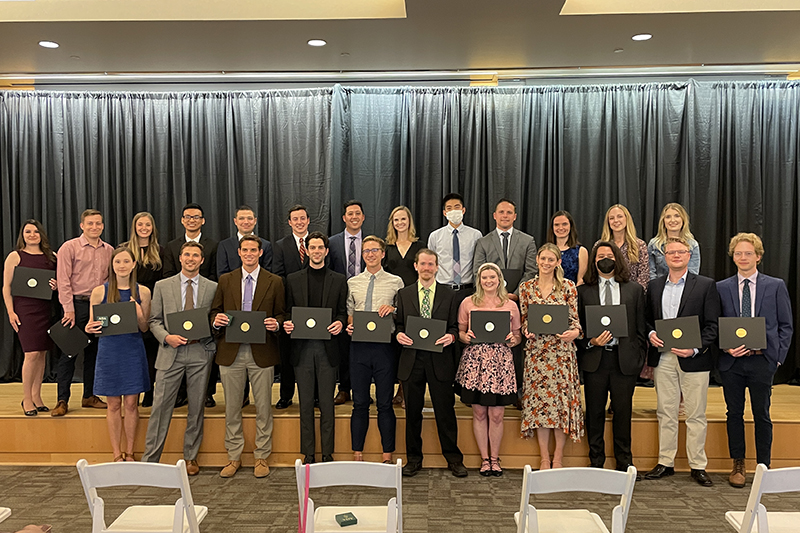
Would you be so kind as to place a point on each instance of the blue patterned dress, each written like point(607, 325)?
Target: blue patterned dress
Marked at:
point(570, 262)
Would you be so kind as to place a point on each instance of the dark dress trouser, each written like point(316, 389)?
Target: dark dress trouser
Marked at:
point(314, 367)
point(66, 365)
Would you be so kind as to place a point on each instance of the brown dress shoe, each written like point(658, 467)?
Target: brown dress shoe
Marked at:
point(61, 409)
point(230, 469)
point(737, 478)
point(192, 468)
point(342, 397)
point(261, 469)
point(93, 402)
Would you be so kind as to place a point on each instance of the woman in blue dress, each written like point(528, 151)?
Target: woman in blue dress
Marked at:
point(121, 372)
point(574, 257)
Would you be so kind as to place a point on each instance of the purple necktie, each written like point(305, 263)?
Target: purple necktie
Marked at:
point(247, 298)
point(351, 258)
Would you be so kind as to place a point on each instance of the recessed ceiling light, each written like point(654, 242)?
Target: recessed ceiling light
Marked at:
point(48, 44)
point(642, 37)
point(316, 42)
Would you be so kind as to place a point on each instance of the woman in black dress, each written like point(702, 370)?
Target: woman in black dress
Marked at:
point(30, 317)
point(402, 245)
point(144, 246)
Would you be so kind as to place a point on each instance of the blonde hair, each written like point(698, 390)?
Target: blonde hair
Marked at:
point(113, 289)
point(685, 234)
point(558, 277)
point(151, 257)
point(391, 233)
point(502, 293)
point(630, 232)
point(752, 238)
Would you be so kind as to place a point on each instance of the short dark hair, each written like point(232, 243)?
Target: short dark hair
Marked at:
point(621, 272)
point(296, 207)
point(452, 196)
point(506, 200)
point(351, 203)
point(193, 205)
point(426, 251)
point(244, 207)
point(250, 238)
point(193, 244)
point(318, 235)
point(90, 213)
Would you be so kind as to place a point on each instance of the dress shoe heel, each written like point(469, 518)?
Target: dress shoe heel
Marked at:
point(32, 412)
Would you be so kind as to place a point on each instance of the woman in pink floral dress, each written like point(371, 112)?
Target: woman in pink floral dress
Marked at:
point(486, 371)
point(551, 389)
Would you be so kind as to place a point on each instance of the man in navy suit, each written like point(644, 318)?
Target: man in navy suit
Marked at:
point(750, 293)
point(228, 250)
point(291, 255)
point(682, 372)
point(345, 258)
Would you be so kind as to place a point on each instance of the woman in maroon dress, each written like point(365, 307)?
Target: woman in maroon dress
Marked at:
point(30, 317)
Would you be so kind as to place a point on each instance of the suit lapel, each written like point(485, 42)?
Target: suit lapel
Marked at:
point(202, 287)
point(261, 288)
point(513, 245)
point(732, 288)
point(760, 282)
point(691, 280)
point(176, 292)
point(303, 280)
point(499, 247)
point(658, 293)
point(237, 289)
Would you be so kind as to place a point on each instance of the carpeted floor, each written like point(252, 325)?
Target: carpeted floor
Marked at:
point(433, 501)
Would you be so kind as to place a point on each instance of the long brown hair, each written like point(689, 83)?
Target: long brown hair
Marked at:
point(572, 238)
point(113, 289)
point(44, 242)
point(151, 257)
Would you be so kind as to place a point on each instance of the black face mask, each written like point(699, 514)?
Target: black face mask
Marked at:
point(606, 265)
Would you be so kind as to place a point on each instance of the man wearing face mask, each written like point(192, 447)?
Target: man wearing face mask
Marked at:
point(455, 246)
point(611, 365)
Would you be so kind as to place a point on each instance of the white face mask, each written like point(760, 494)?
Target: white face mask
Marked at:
point(455, 216)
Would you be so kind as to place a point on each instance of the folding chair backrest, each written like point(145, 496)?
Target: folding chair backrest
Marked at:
point(767, 481)
point(137, 474)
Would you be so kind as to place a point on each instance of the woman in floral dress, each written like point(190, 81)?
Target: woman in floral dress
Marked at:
point(551, 388)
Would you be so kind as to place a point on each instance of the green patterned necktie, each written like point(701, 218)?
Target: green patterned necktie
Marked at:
point(426, 303)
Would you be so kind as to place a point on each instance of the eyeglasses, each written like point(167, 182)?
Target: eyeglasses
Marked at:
point(744, 254)
point(192, 217)
point(677, 252)
point(371, 251)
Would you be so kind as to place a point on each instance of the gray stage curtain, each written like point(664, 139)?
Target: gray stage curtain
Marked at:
point(728, 151)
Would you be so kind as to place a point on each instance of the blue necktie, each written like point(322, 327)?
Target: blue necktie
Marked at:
point(456, 259)
point(747, 303)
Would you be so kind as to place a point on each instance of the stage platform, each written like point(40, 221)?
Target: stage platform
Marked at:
point(45, 440)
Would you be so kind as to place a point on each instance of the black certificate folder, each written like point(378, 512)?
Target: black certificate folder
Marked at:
point(71, 341)
point(246, 327)
point(425, 332)
point(490, 326)
point(117, 318)
point(736, 331)
point(681, 333)
point(191, 324)
point(369, 327)
point(548, 318)
point(311, 323)
point(32, 283)
point(600, 318)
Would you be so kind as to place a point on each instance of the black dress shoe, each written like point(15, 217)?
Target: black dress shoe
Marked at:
point(459, 470)
point(283, 404)
point(316, 403)
point(412, 469)
point(32, 412)
point(210, 401)
point(42, 408)
point(327, 458)
point(660, 471)
point(309, 460)
point(702, 478)
point(180, 401)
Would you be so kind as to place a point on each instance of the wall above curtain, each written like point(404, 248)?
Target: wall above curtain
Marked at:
point(727, 151)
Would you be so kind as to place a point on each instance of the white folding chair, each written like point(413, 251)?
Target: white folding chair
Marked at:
point(183, 517)
point(380, 519)
point(532, 520)
point(5, 512)
point(768, 482)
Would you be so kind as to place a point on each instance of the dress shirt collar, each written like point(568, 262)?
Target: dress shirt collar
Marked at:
point(421, 288)
point(500, 232)
point(85, 242)
point(740, 279)
point(297, 240)
point(184, 279)
point(196, 239)
point(348, 235)
point(681, 280)
point(254, 273)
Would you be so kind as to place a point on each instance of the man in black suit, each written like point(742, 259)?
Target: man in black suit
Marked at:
point(611, 365)
point(345, 258)
point(429, 299)
point(192, 220)
point(682, 372)
point(317, 360)
point(290, 256)
point(228, 250)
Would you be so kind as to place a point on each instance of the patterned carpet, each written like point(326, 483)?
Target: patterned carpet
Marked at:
point(432, 501)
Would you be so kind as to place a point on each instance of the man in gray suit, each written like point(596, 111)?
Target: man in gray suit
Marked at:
point(178, 356)
point(507, 247)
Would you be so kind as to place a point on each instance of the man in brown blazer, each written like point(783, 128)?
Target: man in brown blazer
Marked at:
point(249, 288)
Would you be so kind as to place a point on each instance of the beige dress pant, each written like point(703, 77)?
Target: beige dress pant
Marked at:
point(670, 383)
point(233, 378)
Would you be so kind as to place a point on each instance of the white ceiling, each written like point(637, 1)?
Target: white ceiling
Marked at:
point(439, 35)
